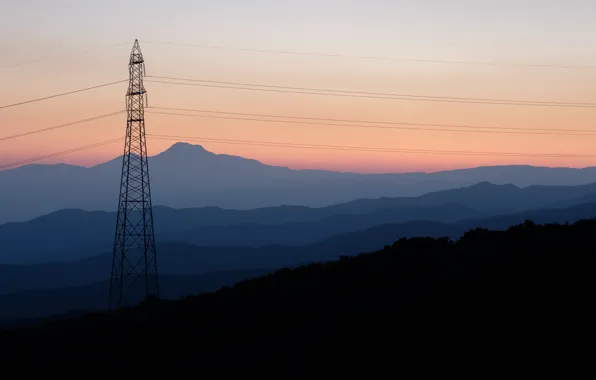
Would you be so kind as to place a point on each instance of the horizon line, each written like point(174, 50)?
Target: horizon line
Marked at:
point(304, 169)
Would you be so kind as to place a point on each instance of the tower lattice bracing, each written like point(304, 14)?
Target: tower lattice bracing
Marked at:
point(134, 263)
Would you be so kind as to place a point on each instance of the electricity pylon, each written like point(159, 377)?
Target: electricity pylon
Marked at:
point(134, 261)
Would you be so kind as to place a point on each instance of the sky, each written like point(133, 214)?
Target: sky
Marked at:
point(50, 47)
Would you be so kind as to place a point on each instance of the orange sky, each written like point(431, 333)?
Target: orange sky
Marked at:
point(101, 66)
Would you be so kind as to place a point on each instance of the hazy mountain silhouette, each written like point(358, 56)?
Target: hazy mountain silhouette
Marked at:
point(75, 234)
point(189, 176)
point(183, 259)
point(55, 288)
point(188, 259)
point(485, 195)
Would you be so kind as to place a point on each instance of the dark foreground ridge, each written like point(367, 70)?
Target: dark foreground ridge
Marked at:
point(527, 289)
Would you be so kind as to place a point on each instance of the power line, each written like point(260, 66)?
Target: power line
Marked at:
point(62, 94)
point(331, 55)
point(368, 93)
point(365, 121)
point(387, 125)
point(360, 94)
point(50, 58)
point(56, 154)
point(364, 149)
point(60, 126)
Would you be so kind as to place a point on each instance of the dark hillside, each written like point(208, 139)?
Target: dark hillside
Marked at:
point(520, 290)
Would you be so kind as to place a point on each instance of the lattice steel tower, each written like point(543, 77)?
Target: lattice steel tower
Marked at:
point(134, 262)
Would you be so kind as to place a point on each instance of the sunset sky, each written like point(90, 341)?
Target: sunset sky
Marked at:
point(536, 32)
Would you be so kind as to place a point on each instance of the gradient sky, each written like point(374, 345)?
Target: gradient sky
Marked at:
point(545, 32)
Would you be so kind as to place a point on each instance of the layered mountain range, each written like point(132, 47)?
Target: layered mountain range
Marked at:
point(55, 255)
point(186, 176)
point(61, 261)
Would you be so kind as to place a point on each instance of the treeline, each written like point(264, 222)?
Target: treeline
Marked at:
point(529, 286)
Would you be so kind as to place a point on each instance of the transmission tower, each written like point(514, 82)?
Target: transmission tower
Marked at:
point(134, 262)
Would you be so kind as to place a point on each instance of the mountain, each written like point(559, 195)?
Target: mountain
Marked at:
point(524, 291)
point(75, 234)
point(491, 197)
point(181, 259)
point(293, 234)
point(187, 176)
point(66, 286)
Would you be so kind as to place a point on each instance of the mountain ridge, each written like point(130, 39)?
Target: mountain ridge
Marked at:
point(73, 233)
point(187, 175)
point(183, 258)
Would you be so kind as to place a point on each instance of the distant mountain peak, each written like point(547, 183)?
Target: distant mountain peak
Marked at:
point(488, 184)
point(186, 147)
